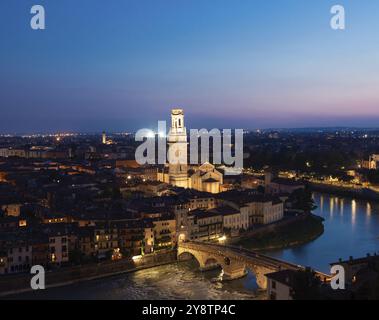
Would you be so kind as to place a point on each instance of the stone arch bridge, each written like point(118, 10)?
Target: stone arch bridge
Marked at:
point(234, 261)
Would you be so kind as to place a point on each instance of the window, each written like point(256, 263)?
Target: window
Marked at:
point(273, 284)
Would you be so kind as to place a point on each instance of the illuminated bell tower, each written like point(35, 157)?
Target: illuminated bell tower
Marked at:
point(104, 138)
point(177, 152)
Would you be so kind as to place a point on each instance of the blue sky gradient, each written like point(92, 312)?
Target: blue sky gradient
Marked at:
point(121, 65)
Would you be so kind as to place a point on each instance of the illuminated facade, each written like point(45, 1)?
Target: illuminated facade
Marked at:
point(177, 173)
point(177, 152)
point(372, 163)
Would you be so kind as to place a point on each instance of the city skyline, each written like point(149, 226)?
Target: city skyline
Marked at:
point(159, 152)
point(121, 66)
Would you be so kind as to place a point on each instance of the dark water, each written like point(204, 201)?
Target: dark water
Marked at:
point(351, 228)
point(175, 281)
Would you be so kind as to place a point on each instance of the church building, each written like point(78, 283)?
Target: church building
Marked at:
point(204, 177)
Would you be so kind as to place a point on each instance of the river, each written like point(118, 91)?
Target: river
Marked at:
point(351, 229)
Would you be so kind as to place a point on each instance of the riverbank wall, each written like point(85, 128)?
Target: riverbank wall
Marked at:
point(19, 283)
point(358, 193)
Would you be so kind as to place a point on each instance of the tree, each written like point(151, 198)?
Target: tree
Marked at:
point(301, 199)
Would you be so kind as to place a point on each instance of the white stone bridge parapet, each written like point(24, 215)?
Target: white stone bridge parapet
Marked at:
point(235, 260)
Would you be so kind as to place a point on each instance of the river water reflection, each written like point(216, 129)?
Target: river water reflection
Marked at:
point(351, 229)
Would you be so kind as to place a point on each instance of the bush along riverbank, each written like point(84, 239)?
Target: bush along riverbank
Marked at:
point(298, 232)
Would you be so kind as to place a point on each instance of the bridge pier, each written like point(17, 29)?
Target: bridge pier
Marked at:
point(233, 271)
point(260, 274)
point(261, 280)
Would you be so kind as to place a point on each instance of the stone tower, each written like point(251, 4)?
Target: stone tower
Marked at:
point(177, 152)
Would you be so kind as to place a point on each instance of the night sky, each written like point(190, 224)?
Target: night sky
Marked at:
point(121, 65)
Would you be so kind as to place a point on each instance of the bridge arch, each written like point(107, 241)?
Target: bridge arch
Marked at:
point(204, 260)
point(211, 263)
point(232, 269)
